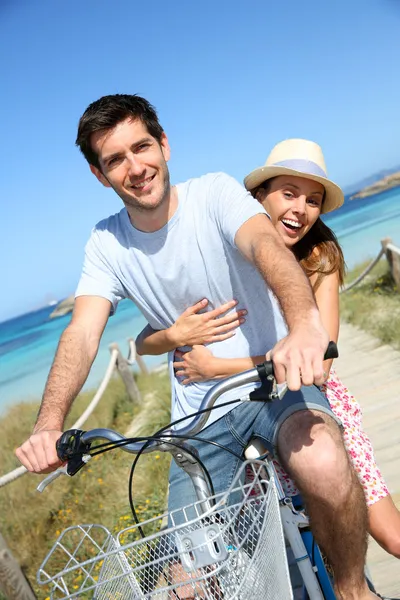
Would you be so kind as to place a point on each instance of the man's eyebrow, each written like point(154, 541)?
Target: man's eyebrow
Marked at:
point(293, 185)
point(111, 156)
point(142, 141)
point(134, 146)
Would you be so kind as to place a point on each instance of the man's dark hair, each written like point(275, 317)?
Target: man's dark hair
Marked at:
point(107, 112)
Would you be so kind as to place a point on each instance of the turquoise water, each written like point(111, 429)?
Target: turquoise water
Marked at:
point(361, 224)
point(28, 343)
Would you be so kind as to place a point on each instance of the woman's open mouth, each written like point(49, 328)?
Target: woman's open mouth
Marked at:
point(292, 226)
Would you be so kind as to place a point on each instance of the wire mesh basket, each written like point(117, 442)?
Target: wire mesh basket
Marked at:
point(236, 550)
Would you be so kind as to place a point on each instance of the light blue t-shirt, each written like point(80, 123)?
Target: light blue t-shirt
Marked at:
point(193, 256)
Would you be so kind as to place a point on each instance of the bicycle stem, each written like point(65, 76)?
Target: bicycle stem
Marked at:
point(212, 396)
point(192, 467)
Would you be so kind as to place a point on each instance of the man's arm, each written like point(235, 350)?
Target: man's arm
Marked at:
point(298, 357)
point(75, 354)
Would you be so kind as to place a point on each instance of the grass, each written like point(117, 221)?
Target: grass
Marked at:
point(373, 304)
point(30, 522)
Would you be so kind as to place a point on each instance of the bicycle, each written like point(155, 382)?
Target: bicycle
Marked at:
point(231, 545)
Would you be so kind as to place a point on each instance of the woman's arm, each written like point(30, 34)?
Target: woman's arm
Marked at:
point(192, 328)
point(327, 297)
point(152, 342)
point(201, 365)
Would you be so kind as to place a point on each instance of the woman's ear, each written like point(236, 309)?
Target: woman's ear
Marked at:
point(259, 195)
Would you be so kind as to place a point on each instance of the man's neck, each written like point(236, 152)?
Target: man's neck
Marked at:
point(154, 220)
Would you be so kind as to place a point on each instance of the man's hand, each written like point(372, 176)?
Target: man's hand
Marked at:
point(38, 454)
point(298, 358)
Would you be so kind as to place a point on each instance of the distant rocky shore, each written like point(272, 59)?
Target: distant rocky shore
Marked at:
point(386, 183)
point(63, 308)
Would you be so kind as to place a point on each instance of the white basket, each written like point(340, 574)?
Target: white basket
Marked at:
point(234, 551)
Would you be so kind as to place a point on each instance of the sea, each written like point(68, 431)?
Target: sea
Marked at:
point(28, 342)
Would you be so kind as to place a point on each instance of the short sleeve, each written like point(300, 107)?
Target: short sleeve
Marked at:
point(232, 205)
point(97, 277)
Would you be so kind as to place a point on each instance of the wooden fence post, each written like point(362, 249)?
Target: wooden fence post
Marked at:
point(393, 258)
point(135, 357)
point(396, 269)
point(126, 374)
point(13, 583)
point(385, 242)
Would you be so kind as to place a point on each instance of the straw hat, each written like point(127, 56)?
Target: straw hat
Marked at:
point(299, 158)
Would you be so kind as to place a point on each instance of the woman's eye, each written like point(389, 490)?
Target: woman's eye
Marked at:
point(314, 202)
point(288, 194)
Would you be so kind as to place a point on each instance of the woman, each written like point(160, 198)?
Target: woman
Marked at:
point(294, 190)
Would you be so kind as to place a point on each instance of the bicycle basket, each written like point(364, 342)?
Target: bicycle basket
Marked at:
point(236, 550)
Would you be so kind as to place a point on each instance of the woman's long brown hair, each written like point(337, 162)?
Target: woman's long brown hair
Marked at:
point(318, 252)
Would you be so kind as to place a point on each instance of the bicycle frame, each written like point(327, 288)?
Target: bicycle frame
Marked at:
point(291, 520)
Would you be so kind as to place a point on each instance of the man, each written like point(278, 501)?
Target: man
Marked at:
point(166, 249)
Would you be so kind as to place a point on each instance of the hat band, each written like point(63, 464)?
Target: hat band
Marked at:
point(308, 167)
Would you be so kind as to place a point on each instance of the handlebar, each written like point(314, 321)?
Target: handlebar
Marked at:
point(74, 445)
point(263, 372)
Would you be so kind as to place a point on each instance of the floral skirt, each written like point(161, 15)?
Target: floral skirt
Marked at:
point(357, 443)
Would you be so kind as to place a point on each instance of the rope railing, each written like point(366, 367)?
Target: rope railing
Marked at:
point(116, 361)
point(392, 254)
point(369, 268)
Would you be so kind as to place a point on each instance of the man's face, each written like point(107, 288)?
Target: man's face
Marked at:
point(134, 164)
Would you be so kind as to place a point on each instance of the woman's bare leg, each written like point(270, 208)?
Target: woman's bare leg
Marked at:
point(384, 525)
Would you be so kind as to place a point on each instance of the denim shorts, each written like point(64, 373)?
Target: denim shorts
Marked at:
point(235, 430)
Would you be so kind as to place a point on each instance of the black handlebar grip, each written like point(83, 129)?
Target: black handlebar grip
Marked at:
point(71, 448)
point(69, 444)
point(266, 369)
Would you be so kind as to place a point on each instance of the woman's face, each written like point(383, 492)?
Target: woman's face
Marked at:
point(294, 204)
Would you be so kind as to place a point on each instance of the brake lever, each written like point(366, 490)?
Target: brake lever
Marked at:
point(60, 471)
point(51, 477)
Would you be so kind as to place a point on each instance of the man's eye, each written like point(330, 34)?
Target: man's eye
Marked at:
point(113, 161)
point(142, 147)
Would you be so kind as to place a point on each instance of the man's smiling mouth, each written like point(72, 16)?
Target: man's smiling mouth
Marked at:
point(143, 183)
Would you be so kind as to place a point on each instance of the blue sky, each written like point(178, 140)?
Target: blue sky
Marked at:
point(229, 79)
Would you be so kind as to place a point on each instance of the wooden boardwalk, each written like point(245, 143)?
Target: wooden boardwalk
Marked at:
point(372, 374)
